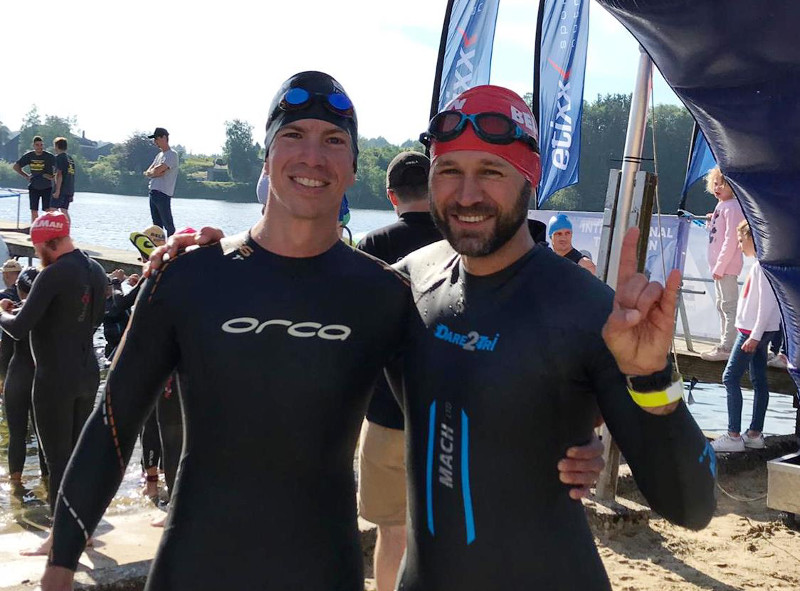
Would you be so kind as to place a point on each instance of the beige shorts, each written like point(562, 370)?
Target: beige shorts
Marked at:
point(382, 475)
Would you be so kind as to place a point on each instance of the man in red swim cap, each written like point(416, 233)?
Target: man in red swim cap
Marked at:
point(64, 308)
point(518, 352)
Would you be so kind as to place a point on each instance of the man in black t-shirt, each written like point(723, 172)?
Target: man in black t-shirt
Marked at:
point(65, 177)
point(41, 165)
point(559, 230)
point(381, 466)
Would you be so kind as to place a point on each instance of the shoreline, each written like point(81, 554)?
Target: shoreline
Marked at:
point(746, 546)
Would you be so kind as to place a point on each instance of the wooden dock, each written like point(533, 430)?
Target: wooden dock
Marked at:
point(690, 363)
point(19, 245)
point(710, 372)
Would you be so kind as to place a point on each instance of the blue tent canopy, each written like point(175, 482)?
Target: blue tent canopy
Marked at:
point(736, 67)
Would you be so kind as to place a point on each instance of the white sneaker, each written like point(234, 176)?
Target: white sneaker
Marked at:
point(715, 354)
point(726, 443)
point(753, 442)
point(779, 361)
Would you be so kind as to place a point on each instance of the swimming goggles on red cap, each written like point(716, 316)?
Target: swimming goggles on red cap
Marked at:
point(494, 128)
point(299, 98)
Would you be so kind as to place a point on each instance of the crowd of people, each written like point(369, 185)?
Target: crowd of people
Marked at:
point(442, 350)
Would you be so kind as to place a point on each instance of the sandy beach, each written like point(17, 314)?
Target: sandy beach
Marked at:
point(746, 546)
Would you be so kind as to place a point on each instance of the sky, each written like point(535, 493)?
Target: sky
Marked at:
point(191, 66)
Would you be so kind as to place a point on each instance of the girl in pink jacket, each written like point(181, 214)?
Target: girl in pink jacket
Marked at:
point(724, 260)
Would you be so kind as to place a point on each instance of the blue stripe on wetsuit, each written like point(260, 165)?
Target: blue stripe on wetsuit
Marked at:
point(429, 474)
point(469, 518)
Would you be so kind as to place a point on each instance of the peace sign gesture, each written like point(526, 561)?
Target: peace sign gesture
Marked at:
point(639, 329)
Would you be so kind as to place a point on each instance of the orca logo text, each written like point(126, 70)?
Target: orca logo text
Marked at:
point(330, 332)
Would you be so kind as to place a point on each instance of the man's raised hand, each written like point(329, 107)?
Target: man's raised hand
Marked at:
point(639, 329)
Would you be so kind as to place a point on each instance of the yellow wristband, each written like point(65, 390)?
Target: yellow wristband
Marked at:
point(661, 398)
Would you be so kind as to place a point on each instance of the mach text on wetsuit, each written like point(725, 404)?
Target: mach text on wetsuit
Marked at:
point(274, 384)
point(509, 371)
point(64, 308)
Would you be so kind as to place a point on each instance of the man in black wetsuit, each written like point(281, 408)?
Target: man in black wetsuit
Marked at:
point(511, 367)
point(281, 374)
point(11, 270)
point(62, 311)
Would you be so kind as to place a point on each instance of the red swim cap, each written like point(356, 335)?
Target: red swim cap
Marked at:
point(495, 99)
point(47, 226)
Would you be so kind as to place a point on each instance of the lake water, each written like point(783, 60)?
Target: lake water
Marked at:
point(107, 220)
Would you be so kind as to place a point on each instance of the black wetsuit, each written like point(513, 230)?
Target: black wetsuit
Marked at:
point(64, 308)
point(117, 314)
point(412, 230)
point(6, 342)
point(162, 434)
point(275, 381)
point(508, 372)
point(17, 401)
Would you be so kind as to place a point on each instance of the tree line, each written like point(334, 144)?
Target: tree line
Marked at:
point(603, 131)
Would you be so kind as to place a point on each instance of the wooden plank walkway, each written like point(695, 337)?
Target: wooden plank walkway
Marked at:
point(710, 372)
point(19, 245)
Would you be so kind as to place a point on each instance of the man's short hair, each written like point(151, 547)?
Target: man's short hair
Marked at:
point(407, 176)
point(60, 143)
point(37, 138)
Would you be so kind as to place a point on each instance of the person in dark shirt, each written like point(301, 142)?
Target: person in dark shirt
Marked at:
point(381, 466)
point(517, 353)
point(559, 230)
point(64, 308)
point(64, 190)
point(41, 165)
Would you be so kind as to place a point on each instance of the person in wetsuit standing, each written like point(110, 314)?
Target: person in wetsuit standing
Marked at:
point(281, 374)
point(17, 388)
point(62, 311)
point(518, 351)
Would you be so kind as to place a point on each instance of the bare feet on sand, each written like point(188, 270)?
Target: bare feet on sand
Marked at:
point(44, 548)
point(159, 521)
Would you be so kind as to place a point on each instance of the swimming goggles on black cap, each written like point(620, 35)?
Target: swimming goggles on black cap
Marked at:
point(494, 128)
point(299, 98)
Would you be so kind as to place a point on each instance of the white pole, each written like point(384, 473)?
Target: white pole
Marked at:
point(634, 143)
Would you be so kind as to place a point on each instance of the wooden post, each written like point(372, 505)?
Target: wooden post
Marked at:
point(644, 192)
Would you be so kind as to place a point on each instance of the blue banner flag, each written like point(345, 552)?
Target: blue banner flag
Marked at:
point(701, 161)
point(562, 66)
point(468, 51)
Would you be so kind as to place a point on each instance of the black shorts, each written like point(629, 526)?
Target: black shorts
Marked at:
point(34, 195)
point(62, 202)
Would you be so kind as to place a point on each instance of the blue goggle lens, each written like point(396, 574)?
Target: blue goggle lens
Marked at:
point(297, 98)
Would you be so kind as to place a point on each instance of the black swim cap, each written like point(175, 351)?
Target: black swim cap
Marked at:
point(319, 85)
point(25, 279)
